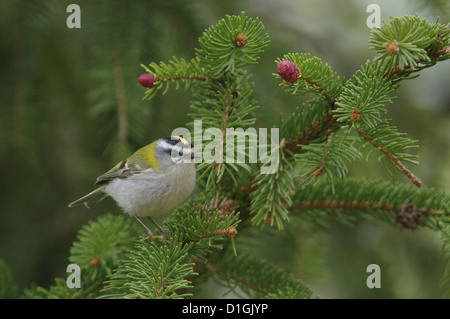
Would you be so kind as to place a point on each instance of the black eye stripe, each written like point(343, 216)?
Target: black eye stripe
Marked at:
point(175, 150)
point(171, 141)
point(175, 141)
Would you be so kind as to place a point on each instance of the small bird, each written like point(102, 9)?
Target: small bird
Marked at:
point(151, 182)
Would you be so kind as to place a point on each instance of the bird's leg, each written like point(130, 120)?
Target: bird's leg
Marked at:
point(163, 232)
point(150, 233)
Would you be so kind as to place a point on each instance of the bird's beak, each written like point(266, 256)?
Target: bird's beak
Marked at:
point(193, 155)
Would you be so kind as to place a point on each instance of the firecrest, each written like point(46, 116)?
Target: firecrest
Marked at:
point(151, 182)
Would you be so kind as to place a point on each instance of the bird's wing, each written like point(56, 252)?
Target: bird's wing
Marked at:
point(122, 170)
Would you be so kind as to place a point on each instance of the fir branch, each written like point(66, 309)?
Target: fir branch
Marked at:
point(410, 44)
point(414, 179)
point(415, 41)
point(200, 223)
point(223, 105)
point(319, 168)
point(360, 99)
point(402, 204)
point(445, 281)
point(310, 133)
point(367, 94)
point(360, 104)
point(230, 232)
point(175, 71)
point(321, 80)
point(152, 270)
point(184, 77)
point(226, 206)
point(330, 158)
point(269, 193)
point(102, 243)
point(257, 278)
point(314, 77)
point(159, 269)
point(234, 42)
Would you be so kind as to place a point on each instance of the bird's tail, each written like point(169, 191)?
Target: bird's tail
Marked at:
point(90, 199)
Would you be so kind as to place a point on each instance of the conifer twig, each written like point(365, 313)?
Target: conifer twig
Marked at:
point(321, 90)
point(316, 129)
point(200, 77)
point(408, 215)
point(319, 170)
point(415, 180)
point(342, 204)
point(230, 232)
point(240, 279)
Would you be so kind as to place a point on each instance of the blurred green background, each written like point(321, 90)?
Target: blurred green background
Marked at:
point(61, 90)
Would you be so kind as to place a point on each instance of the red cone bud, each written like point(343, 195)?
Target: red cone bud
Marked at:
point(147, 80)
point(288, 71)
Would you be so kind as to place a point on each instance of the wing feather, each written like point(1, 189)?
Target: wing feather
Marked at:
point(122, 170)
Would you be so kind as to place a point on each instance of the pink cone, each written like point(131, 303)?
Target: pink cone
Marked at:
point(288, 71)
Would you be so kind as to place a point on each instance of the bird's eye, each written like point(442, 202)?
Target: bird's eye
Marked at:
point(175, 152)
